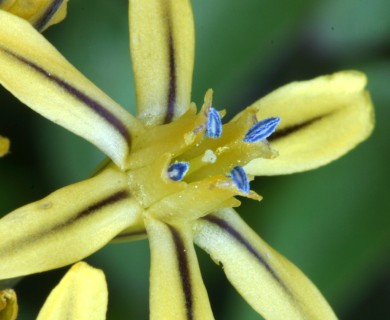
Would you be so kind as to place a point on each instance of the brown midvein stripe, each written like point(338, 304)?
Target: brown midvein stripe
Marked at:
point(184, 271)
point(110, 200)
point(120, 195)
point(171, 99)
point(48, 14)
point(289, 130)
point(240, 238)
point(76, 93)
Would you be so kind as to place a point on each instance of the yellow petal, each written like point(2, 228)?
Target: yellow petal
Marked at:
point(321, 120)
point(176, 288)
point(8, 305)
point(66, 226)
point(271, 284)
point(37, 74)
point(81, 294)
point(162, 52)
point(40, 13)
point(4, 146)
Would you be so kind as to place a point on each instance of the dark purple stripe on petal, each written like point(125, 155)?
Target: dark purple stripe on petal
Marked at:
point(184, 271)
point(171, 99)
point(48, 14)
point(110, 200)
point(118, 196)
point(79, 95)
point(246, 244)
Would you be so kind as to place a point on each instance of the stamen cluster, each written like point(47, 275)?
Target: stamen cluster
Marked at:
point(199, 161)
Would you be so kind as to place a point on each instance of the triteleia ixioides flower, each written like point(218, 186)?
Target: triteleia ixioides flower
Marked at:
point(173, 172)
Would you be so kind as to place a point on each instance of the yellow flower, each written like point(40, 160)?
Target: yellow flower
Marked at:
point(40, 13)
point(173, 173)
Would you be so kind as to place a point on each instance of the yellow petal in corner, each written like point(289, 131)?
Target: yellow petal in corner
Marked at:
point(321, 120)
point(8, 305)
point(81, 294)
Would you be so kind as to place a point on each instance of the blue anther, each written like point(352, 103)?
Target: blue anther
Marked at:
point(177, 171)
point(262, 130)
point(240, 179)
point(214, 124)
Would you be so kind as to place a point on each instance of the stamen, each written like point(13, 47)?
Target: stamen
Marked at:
point(177, 171)
point(262, 130)
point(240, 179)
point(214, 124)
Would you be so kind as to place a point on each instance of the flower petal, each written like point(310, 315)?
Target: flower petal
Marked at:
point(321, 120)
point(81, 294)
point(176, 286)
point(8, 305)
point(40, 13)
point(162, 52)
point(271, 284)
point(66, 226)
point(36, 73)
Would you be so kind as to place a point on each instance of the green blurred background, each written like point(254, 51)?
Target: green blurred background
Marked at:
point(334, 222)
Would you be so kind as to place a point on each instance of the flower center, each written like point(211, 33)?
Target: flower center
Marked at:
point(193, 166)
